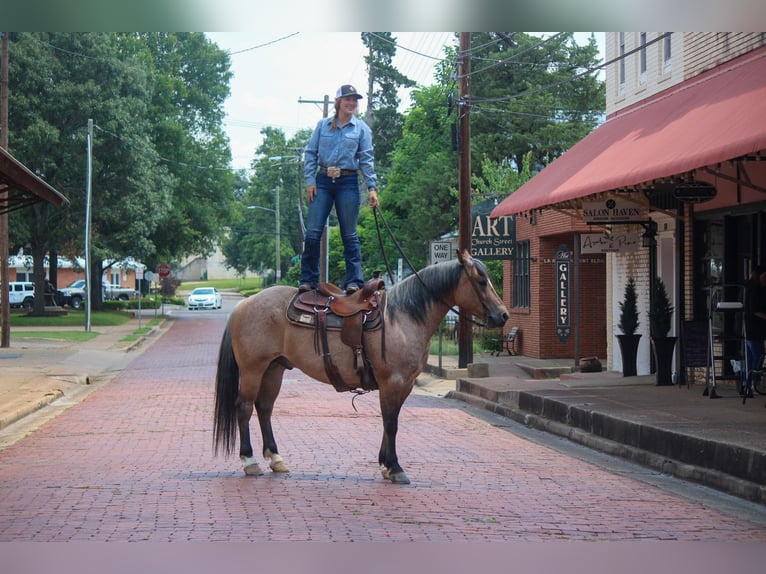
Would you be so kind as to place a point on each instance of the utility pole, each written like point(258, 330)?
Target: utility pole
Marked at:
point(369, 118)
point(324, 252)
point(5, 302)
point(88, 190)
point(465, 334)
point(278, 271)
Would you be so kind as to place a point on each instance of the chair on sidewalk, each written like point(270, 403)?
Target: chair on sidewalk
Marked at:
point(508, 342)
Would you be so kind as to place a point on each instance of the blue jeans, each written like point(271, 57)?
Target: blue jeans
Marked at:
point(343, 192)
point(754, 353)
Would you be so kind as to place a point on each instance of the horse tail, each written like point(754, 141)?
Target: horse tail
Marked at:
point(226, 395)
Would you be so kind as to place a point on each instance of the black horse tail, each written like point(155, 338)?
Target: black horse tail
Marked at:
point(226, 395)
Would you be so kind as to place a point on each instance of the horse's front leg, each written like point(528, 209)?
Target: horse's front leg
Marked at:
point(264, 405)
point(250, 464)
point(389, 462)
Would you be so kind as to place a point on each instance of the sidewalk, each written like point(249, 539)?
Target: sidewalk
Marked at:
point(36, 371)
point(675, 430)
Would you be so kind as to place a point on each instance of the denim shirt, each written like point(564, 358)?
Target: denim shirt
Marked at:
point(349, 147)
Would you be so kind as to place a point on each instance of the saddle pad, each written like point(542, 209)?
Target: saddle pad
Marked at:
point(305, 318)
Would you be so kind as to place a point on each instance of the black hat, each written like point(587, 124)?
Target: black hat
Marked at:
point(347, 90)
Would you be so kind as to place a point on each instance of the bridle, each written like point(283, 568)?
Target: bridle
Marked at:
point(469, 317)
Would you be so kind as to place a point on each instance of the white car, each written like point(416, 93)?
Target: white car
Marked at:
point(204, 298)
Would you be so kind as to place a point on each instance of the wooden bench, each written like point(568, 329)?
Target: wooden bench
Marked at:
point(508, 343)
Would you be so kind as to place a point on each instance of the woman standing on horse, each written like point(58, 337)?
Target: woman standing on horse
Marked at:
point(338, 150)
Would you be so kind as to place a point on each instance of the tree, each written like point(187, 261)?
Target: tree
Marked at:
point(161, 183)
point(421, 186)
point(383, 99)
point(191, 84)
point(59, 82)
point(532, 96)
point(277, 168)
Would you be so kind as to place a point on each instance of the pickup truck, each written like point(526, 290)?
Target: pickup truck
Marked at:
point(74, 293)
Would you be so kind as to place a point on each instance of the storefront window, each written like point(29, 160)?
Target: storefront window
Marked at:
point(521, 275)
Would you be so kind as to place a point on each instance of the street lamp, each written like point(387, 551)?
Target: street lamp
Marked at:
point(278, 268)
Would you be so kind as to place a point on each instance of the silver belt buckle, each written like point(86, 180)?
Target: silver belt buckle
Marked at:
point(333, 172)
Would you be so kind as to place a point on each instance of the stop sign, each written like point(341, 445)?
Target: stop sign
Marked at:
point(163, 270)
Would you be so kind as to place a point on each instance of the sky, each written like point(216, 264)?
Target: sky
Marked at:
point(274, 71)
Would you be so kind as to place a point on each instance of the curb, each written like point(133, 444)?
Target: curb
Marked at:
point(707, 476)
point(26, 408)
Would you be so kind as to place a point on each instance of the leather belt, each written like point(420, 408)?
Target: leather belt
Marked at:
point(336, 172)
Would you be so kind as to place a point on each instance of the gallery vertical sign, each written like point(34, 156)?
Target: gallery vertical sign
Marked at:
point(563, 264)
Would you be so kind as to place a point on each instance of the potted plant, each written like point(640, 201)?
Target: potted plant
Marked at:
point(660, 318)
point(628, 324)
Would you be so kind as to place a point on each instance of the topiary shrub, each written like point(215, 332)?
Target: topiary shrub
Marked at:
point(628, 309)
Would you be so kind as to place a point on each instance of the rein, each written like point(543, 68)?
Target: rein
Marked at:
point(457, 311)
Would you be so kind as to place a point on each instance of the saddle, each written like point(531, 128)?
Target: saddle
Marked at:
point(328, 308)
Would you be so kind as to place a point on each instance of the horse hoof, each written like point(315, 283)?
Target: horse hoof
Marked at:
point(276, 462)
point(399, 478)
point(250, 466)
point(279, 466)
point(396, 477)
point(253, 470)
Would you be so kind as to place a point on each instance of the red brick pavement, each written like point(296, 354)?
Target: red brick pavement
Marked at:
point(134, 462)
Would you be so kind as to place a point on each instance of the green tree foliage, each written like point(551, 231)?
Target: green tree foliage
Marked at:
point(531, 96)
point(191, 83)
point(530, 100)
point(160, 181)
point(277, 168)
point(59, 81)
point(420, 200)
point(382, 113)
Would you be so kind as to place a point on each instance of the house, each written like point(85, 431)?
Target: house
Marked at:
point(120, 273)
point(671, 186)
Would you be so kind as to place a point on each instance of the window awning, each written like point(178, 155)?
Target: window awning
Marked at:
point(22, 186)
point(711, 118)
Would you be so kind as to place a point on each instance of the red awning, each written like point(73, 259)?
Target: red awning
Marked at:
point(711, 118)
point(23, 187)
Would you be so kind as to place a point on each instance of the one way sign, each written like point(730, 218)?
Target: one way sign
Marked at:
point(441, 251)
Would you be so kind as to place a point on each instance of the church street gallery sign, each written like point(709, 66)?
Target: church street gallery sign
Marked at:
point(491, 238)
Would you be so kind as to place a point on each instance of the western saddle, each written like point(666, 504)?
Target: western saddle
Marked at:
point(328, 308)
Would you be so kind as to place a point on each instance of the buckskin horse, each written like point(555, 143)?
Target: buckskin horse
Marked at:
point(259, 343)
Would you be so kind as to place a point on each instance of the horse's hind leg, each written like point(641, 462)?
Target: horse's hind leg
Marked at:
point(250, 464)
point(264, 405)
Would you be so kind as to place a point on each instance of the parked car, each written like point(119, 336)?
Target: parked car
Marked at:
point(112, 291)
point(204, 298)
point(21, 294)
point(73, 294)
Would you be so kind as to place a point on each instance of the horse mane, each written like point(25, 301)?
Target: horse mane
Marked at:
point(414, 297)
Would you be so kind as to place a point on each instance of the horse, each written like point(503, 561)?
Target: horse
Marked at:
point(259, 343)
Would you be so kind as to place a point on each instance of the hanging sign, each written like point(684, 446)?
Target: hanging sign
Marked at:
point(563, 268)
point(613, 210)
point(491, 238)
point(695, 191)
point(615, 243)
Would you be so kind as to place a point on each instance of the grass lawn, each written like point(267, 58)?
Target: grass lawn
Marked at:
point(71, 319)
point(76, 336)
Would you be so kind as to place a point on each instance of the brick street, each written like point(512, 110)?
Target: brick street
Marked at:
point(134, 462)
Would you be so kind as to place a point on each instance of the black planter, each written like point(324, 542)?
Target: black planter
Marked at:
point(663, 355)
point(628, 351)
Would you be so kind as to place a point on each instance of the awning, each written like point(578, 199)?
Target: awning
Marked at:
point(711, 118)
point(23, 187)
